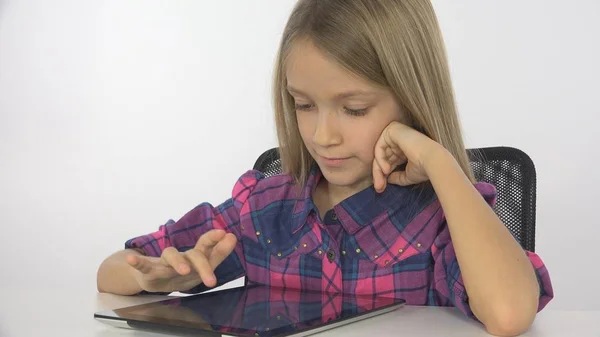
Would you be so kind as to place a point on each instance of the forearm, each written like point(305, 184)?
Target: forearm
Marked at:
point(499, 278)
point(115, 275)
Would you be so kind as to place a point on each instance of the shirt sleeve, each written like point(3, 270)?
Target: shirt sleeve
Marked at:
point(184, 233)
point(448, 283)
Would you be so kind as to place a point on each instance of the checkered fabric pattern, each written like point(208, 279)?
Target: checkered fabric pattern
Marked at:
point(391, 244)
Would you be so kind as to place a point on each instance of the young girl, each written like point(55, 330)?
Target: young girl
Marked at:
point(377, 196)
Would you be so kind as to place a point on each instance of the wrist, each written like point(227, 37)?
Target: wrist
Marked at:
point(437, 157)
point(443, 170)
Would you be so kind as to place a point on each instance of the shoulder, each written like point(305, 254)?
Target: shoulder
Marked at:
point(253, 185)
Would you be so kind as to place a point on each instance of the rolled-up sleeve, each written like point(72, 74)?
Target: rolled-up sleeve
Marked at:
point(184, 233)
point(448, 283)
point(450, 288)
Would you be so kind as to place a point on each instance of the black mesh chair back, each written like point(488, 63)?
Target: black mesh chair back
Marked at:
point(509, 169)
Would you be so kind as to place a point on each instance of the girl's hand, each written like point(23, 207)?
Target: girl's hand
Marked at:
point(176, 271)
point(399, 144)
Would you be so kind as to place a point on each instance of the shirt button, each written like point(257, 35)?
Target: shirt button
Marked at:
point(331, 255)
point(333, 216)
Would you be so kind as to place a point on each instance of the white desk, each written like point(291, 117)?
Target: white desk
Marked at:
point(68, 312)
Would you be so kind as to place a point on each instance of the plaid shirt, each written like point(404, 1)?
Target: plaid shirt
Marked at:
point(395, 244)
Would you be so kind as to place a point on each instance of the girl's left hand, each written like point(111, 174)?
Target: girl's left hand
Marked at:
point(399, 144)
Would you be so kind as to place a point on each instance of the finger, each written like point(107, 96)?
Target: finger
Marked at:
point(381, 155)
point(399, 178)
point(176, 260)
point(208, 240)
point(390, 155)
point(388, 160)
point(222, 250)
point(379, 179)
point(395, 160)
point(202, 266)
point(139, 262)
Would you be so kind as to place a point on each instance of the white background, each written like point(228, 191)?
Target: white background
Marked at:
point(118, 115)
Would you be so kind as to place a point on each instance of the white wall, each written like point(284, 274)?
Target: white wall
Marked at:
point(118, 115)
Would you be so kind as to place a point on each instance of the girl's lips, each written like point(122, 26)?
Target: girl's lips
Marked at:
point(333, 161)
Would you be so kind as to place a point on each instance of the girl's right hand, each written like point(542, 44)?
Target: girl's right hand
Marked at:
point(181, 271)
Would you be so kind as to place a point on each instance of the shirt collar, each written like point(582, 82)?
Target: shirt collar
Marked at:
point(304, 204)
point(364, 207)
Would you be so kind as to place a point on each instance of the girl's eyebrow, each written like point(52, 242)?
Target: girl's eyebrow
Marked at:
point(339, 96)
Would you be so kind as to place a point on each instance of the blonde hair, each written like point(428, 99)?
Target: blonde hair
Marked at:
point(396, 44)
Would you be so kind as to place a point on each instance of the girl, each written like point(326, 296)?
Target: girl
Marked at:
point(377, 196)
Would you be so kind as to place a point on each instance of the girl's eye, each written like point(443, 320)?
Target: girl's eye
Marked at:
point(304, 107)
point(356, 112)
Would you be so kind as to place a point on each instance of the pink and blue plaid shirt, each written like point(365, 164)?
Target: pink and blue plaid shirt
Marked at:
point(390, 244)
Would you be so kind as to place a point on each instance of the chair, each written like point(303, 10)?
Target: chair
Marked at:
point(509, 169)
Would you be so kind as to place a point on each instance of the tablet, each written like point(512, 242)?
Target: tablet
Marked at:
point(250, 311)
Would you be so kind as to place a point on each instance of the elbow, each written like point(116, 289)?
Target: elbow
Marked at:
point(99, 287)
point(509, 314)
point(102, 276)
point(510, 320)
point(508, 328)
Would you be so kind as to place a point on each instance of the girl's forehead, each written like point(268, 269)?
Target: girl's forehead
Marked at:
point(308, 68)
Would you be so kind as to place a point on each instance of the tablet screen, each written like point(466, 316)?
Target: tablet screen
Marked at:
point(253, 310)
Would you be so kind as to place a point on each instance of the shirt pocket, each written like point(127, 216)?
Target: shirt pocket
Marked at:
point(382, 243)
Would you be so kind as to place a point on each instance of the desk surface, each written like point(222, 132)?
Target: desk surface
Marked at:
point(68, 312)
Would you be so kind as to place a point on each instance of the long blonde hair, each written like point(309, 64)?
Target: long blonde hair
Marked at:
point(396, 44)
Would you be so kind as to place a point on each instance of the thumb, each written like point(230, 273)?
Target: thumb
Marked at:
point(399, 178)
point(139, 262)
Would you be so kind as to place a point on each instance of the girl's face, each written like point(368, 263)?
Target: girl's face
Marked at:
point(340, 116)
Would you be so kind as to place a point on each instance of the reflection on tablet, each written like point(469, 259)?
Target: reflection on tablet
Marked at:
point(253, 310)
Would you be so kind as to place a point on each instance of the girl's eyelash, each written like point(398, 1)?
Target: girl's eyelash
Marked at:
point(304, 107)
point(356, 112)
point(352, 112)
